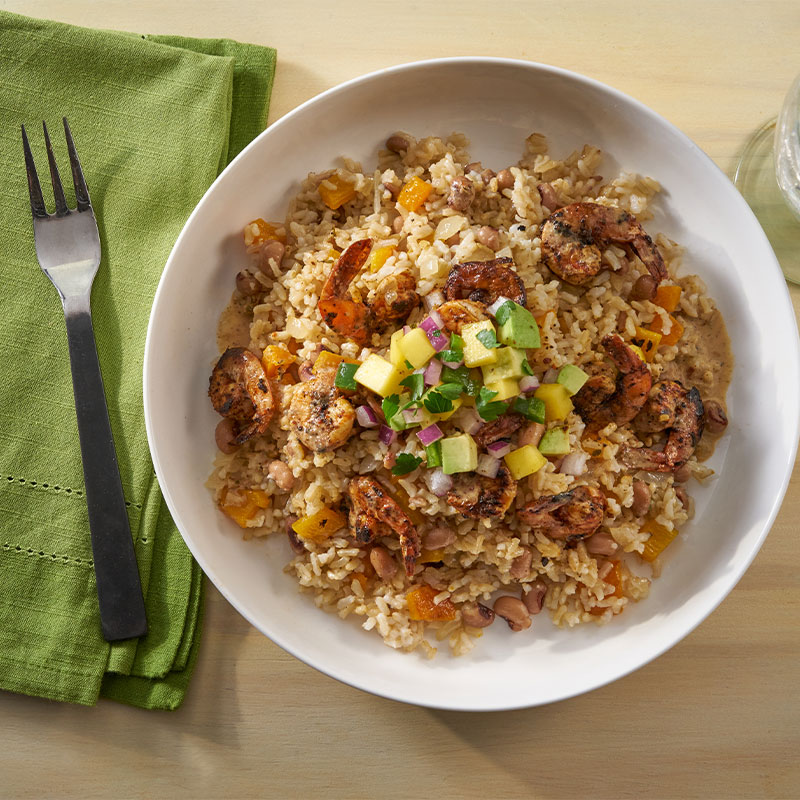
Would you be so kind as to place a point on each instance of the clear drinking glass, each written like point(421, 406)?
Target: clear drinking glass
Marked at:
point(768, 175)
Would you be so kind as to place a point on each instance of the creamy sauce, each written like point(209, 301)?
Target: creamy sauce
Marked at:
point(233, 328)
point(707, 364)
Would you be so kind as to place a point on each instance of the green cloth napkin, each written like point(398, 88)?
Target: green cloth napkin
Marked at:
point(154, 119)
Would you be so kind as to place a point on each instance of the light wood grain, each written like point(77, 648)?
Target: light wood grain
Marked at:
point(716, 717)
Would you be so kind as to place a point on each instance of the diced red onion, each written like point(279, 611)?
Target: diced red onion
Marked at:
point(488, 466)
point(452, 364)
point(439, 483)
point(432, 325)
point(550, 376)
point(574, 464)
point(366, 417)
point(406, 329)
point(386, 435)
point(413, 416)
point(433, 372)
point(433, 300)
point(467, 419)
point(430, 434)
point(499, 449)
point(530, 383)
point(492, 309)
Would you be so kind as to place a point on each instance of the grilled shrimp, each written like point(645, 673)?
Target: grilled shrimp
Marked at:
point(318, 413)
point(501, 428)
point(684, 434)
point(571, 239)
point(660, 408)
point(374, 513)
point(478, 497)
point(457, 313)
point(240, 390)
point(358, 320)
point(485, 281)
point(571, 515)
point(600, 402)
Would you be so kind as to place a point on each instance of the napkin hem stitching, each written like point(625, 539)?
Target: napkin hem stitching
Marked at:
point(54, 558)
point(57, 489)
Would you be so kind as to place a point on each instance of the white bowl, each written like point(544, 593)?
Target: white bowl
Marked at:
point(497, 103)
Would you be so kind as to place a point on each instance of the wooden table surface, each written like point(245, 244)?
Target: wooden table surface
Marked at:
point(715, 717)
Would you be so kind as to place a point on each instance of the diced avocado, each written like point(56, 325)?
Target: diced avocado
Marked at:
point(476, 354)
point(395, 353)
point(524, 461)
point(505, 388)
point(416, 348)
point(554, 442)
point(556, 401)
point(377, 374)
point(571, 378)
point(508, 365)
point(516, 326)
point(459, 454)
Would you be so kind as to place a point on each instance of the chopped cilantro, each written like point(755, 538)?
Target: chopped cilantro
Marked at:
point(390, 406)
point(462, 376)
point(504, 312)
point(437, 403)
point(488, 338)
point(416, 383)
point(451, 356)
point(486, 409)
point(409, 365)
point(450, 390)
point(526, 367)
point(405, 463)
point(456, 342)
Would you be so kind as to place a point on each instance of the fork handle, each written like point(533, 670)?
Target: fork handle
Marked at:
point(119, 590)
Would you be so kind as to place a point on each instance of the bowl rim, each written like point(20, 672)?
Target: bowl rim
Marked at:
point(730, 580)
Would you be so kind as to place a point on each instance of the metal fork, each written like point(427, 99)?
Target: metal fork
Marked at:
point(68, 249)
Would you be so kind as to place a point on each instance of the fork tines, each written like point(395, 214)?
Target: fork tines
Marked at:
point(38, 207)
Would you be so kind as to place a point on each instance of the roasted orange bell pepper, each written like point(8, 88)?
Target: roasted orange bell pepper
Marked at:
point(414, 193)
point(336, 191)
point(675, 332)
point(668, 297)
point(614, 577)
point(660, 538)
point(258, 231)
point(378, 256)
point(242, 506)
point(648, 342)
point(319, 526)
point(276, 360)
point(421, 605)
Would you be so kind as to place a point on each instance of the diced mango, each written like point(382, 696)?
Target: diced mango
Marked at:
point(524, 461)
point(660, 537)
point(476, 354)
point(320, 526)
point(557, 403)
point(377, 374)
point(276, 360)
point(416, 348)
point(414, 193)
point(242, 506)
point(258, 231)
point(336, 191)
point(675, 332)
point(395, 351)
point(648, 342)
point(421, 605)
point(505, 388)
point(668, 297)
point(378, 257)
